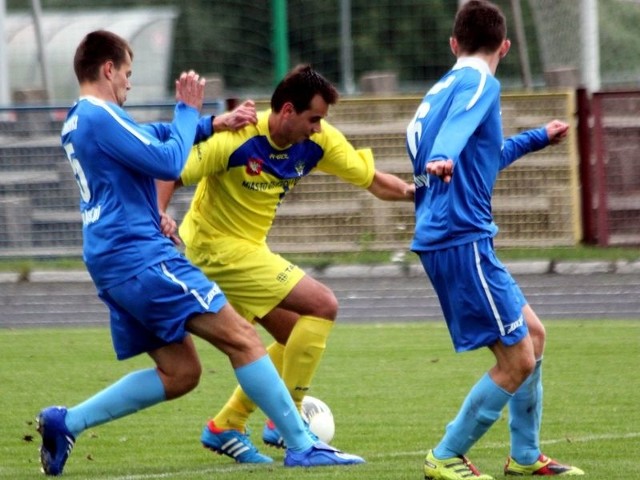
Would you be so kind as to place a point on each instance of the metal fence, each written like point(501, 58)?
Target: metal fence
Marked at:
point(39, 199)
point(612, 183)
point(536, 199)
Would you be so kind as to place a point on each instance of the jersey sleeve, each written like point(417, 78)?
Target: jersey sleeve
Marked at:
point(472, 103)
point(162, 131)
point(207, 158)
point(521, 144)
point(122, 139)
point(355, 166)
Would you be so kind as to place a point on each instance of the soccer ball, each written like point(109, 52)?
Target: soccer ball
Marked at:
point(319, 417)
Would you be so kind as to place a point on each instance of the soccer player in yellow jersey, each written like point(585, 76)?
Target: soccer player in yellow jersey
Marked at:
point(241, 178)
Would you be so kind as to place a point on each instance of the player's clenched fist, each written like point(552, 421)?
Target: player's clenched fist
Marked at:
point(556, 131)
point(441, 168)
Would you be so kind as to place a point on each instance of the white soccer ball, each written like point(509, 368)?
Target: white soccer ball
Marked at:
point(319, 417)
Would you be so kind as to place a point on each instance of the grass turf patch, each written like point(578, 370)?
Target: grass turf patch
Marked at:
point(392, 388)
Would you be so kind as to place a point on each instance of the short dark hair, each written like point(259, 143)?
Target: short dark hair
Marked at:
point(95, 49)
point(299, 87)
point(479, 26)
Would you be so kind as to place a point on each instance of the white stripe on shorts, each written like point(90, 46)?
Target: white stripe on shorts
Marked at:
point(173, 278)
point(487, 292)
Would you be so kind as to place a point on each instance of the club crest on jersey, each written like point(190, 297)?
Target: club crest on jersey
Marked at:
point(300, 168)
point(254, 166)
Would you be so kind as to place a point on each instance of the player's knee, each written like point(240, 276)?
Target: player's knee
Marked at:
point(245, 343)
point(327, 305)
point(183, 381)
point(538, 338)
point(525, 368)
point(247, 335)
point(518, 370)
point(246, 352)
point(538, 333)
point(536, 329)
point(191, 380)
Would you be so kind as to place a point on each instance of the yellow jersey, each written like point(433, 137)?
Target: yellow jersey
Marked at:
point(243, 176)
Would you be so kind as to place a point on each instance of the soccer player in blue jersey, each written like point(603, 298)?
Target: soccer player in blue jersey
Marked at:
point(241, 179)
point(156, 298)
point(456, 146)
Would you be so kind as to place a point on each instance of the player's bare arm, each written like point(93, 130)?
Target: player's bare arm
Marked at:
point(386, 186)
point(168, 225)
point(165, 191)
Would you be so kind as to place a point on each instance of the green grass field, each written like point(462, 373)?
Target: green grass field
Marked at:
point(392, 388)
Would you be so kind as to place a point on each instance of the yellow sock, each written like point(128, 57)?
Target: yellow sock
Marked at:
point(236, 411)
point(303, 353)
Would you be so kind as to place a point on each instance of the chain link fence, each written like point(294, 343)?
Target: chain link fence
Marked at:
point(613, 180)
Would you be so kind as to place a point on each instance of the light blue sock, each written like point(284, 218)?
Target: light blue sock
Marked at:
point(261, 382)
point(479, 411)
point(131, 393)
point(525, 411)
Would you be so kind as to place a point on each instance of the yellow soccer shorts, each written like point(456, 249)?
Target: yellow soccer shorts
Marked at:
point(253, 278)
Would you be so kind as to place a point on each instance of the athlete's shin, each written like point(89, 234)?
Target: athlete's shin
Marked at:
point(302, 354)
point(525, 416)
point(478, 413)
point(263, 385)
point(133, 392)
point(239, 406)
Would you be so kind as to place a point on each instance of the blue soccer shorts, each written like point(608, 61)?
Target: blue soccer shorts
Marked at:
point(481, 302)
point(150, 310)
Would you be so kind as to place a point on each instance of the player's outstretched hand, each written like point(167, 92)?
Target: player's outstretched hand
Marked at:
point(241, 116)
point(556, 131)
point(441, 168)
point(190, 89)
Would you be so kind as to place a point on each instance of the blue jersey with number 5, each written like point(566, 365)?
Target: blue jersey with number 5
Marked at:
point(459, 119)
point(115, 161)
